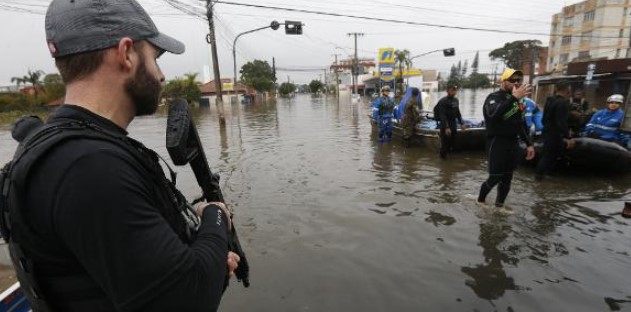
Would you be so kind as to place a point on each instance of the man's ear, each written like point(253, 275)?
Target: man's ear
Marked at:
point(125, 53)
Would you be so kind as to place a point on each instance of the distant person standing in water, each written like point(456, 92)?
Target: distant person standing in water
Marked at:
point(504, 113)
point(447, 112)
point(383, 112)
point(411, 116)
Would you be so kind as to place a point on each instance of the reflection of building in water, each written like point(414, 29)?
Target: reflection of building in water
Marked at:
point(489, 280)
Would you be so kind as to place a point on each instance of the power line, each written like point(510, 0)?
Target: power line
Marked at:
point(378, 19)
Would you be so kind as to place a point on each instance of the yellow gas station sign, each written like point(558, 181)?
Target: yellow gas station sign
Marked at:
point(386, 56)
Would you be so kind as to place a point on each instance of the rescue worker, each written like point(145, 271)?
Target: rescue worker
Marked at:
point(505, 126)
point(606, 122)
point(533, 117)
point(555, 129)
point(448, 111)
point(579, 113)
point(411, 116)
point(91, 220)
point(383, 112)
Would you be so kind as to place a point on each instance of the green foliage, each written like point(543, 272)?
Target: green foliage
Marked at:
point(186, 88)
point(54, 88)
point(477, 81)
point(315, 86)
point(476, 63)
point(258, 75)
point(286, 88)
point(455, 78)
point(513, 54)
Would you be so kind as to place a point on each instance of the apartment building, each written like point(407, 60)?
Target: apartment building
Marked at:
point(590, 30)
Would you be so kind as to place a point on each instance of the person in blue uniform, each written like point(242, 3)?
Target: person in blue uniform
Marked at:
point(605, 124)
point(533, 117)
point(383, 112)
point(505, 126)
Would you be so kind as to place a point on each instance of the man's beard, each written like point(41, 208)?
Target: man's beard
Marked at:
point(144, 90)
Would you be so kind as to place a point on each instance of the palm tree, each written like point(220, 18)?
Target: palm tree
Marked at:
point(402, 58)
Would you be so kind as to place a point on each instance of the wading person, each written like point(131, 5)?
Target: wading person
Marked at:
point(448, 112)
point(411, 117)
point(555, 129)
point(505, 126)
point(383, 112)
point(94, 223)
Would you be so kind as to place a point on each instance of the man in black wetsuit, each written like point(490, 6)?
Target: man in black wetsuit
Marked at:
point(94, 223)
point(555, 129)
point(448, 109)
point(504, 118)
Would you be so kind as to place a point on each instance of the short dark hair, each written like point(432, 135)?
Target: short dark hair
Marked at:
point(452, 87)
point(76, 66)
point(562, 86)
point(415, 91)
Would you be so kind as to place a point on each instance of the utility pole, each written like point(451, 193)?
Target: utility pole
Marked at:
point(337, 79)
point(211, 39)
point(355, 69)
point(274, 72)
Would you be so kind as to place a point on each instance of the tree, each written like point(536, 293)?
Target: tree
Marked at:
point(454, 77)
point(186, 88)
point(476, 81)
point(515, 53)
point(54, 88)
point(463, 74)
point(315, 86)
point(286, 88)
point(402, 59)
point(34, 79)
point(258, 75)
point(476, 63)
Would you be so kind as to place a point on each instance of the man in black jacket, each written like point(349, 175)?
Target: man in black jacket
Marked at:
point(448, 115)
point(555, 129)
point(95, 225)
point(504, 118)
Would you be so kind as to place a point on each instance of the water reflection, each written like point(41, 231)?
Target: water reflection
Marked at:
point(489, 279)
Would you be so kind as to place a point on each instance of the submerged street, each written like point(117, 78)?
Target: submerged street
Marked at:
point(331, 220)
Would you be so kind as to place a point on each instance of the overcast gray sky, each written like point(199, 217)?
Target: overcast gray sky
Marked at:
point(23, 41)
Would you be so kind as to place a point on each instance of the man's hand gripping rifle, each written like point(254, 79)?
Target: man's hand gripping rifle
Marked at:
point(184, 147)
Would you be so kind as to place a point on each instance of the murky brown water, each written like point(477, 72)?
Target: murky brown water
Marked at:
point(333, 221)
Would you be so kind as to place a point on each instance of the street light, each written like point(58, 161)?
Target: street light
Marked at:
point(291, 28)
point(446, 52)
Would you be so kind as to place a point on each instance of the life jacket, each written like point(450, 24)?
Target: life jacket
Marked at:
point(77, 290)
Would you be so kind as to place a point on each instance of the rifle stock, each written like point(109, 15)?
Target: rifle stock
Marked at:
point(184, 146)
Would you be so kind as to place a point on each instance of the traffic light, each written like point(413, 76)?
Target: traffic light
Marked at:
point(449, 52)
point(293, 28)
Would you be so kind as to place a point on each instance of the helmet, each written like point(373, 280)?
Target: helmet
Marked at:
point(385, 89)
point(618, 98)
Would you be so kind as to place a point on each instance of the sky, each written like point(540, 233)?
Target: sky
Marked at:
point(302, 58)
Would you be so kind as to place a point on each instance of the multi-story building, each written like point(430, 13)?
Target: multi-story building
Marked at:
point(590, 30)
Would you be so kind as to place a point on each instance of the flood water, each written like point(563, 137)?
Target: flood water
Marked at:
point(331, 220)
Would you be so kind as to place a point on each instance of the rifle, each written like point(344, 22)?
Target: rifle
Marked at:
point(184, 147)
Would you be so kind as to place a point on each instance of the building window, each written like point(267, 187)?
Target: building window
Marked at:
point(568, 21)
point(589, 16)
point(583, 55)
point(621, 33)
point(566, 40)
point(564, 57)
point(551, 60)
point(586, 36)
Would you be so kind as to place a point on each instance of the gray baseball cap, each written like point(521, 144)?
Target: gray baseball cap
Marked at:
point(77, 26)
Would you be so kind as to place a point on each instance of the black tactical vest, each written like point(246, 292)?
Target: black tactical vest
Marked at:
point(79, 292)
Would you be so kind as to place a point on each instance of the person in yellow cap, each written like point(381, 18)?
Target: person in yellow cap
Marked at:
point(504, 113)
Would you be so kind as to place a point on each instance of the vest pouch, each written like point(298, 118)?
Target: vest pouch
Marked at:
point(4, 201)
